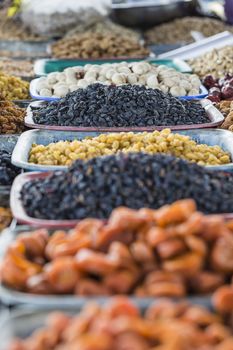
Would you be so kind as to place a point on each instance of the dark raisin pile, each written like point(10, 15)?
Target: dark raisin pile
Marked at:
point(95, 187)
point(7, 171)
point(119, 106)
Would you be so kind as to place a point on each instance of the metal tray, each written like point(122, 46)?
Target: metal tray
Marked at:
point(34, 94)
point(7, 142)
point(12, 297)
point(215, 116)
point(223, 138)
point(46, 66)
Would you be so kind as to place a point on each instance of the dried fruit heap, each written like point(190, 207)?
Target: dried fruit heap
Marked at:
point(5, 218)
point(94, 188)
point(11, 118)
point(119, 324)
point(66, 152)
point(7, 171)
point(123, 106)
point(173, 251)
point(13, 88)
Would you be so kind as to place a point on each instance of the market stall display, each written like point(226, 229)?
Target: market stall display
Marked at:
point(95, 187)
point(11, 118)
point(181, 30)
point(58, 84)
point(125, 185)
point(13, 88)
point(98, 45)
point(148, 253)
point(119, 322)
point(217, 63)
point(66, 152)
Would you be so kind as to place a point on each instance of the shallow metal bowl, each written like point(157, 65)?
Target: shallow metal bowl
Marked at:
point(145, 14)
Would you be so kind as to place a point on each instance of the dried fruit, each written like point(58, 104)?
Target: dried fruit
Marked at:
point(123, 106)
point(95, 187)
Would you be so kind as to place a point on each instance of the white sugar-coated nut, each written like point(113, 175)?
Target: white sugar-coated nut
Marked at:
point(52, 78)
point(110, 73)
point(124, 69)
point(61, 77)
point(132, 78)
point(163, 88)
point(61, 91)
point(73, 88)
point(169, 82)
point(193, 92)
point(101, 78)
point(138, 68)
point(90, 79)
point(94, 68)
point(119, 78)
point(46, 92)
point(123, 64)
point(142, 80)
point(161, 68)
point(71, 81)
point(177, 91)
point(82, 83)
point(90, 74)
point(185, 84)
point(104, 70)
point(152, 81)
point(42, 85)
point(87, 67)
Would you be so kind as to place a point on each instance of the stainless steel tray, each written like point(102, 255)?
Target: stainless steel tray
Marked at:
point(215, 119)
point(223, 138)
point(7, 142)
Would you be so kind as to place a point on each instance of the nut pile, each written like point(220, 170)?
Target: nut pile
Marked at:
point(179, 30)
point(13, 88)
point(217, 63)
point(66, 152)
point(20, 68)
point(119, 324)
point(119, 106)
point(7, 171)
point(103, 26)
point(95, 187)
point(219, 89)
point(11, 118)
point(97, 45)
point(5, 218)
point(173, 251)
point(58, 84)
point(226, 108)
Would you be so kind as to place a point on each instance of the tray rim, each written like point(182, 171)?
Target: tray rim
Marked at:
point(21, 216)
point(34, 95)
point(210, 109)
point(69, 301)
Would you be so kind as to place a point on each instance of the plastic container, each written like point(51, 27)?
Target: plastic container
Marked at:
point(34, 94)
point(215, 116)
point(7, 142)
point(46, 66)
